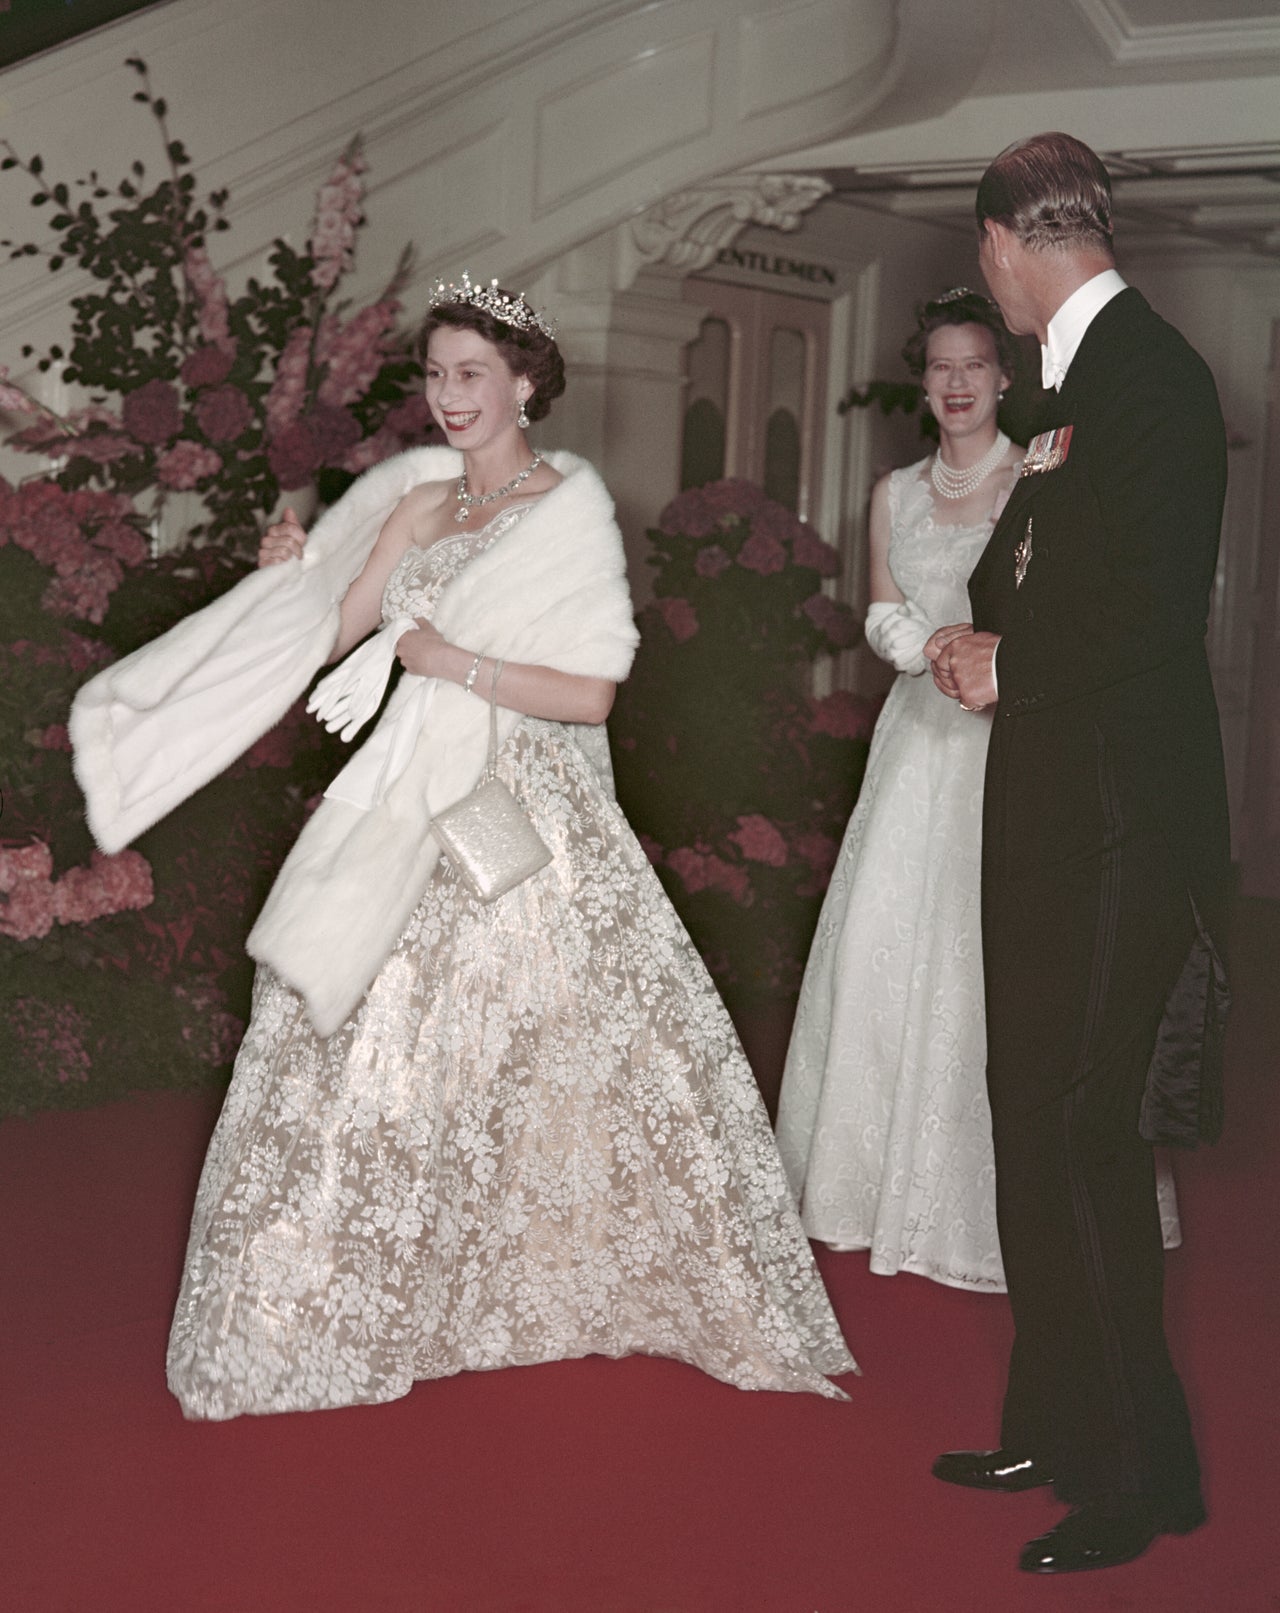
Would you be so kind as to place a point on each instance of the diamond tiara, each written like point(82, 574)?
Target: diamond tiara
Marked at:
point(514, 311)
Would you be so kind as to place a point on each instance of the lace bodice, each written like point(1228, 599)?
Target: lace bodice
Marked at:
point(424, 570)
point(930, 561)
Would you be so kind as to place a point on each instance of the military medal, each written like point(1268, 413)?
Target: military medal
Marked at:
point(1022, 555)
point(1047, 451)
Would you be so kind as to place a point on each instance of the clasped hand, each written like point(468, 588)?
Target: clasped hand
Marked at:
point(963, 664)
point(419, 650)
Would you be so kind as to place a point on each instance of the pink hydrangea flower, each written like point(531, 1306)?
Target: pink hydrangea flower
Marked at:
point(18, 864)
point(760, 840)
point(808, 549)
point(680, 617)
point(223, 413)
point(27, 911)
point(86, 591)
point(712, 560)
point(842, 715)
point(185, 464)
point(294, 456)
point(819, 851)
point(152, 412)
point(207, 365)
point(107, 885)
point(762, 553)
point(122, 541)
point(833, 618)
point(51, 1038)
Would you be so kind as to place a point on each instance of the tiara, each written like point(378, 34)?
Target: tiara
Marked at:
point(956, 293)
point(514, 311)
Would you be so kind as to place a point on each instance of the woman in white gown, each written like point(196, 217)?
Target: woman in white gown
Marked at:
point(883, 1121)
point(536, 1136)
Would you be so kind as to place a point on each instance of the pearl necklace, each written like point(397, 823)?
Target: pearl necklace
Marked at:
point(960, 483)
point(467, 500)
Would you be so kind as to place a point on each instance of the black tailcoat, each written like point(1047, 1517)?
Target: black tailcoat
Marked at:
point(1105, 855)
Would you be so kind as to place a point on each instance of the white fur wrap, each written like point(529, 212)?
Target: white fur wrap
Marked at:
point(156, 726)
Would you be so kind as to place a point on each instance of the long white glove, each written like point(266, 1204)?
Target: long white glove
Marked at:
point(898, 634)
point(352, 692)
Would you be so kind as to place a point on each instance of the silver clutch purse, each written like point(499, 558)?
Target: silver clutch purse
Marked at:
point(490, 843)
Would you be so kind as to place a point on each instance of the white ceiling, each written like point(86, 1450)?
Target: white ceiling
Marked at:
point(1180, 97)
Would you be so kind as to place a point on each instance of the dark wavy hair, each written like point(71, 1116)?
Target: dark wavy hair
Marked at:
point(1050, 190)
point(960, 307)
point(525, 352)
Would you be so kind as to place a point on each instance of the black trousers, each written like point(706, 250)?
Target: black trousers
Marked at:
point(1080, 956)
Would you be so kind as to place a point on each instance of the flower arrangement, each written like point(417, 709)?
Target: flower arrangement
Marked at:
point(191, 389)
point(232, 400)
point(739, 780)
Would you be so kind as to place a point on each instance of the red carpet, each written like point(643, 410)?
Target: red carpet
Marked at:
point(590, 1486)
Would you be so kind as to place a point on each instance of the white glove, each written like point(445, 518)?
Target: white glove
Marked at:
point(352, 692)
point(898, 634)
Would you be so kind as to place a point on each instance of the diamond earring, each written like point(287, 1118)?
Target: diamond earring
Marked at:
point(522, 419)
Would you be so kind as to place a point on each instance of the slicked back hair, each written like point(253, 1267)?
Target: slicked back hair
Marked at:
point(1050, 191)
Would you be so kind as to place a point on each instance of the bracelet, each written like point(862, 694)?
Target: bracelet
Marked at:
point(469, 682)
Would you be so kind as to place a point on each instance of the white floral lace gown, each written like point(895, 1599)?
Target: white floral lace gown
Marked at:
point(883, 1121)
point(536, 1138)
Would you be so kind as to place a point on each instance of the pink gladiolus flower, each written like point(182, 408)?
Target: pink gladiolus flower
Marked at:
point(712, 560)
point(355, 354)
point(373, 450)
point(211, 298)
point(339, 214)
point(13, 398)
point(223, 413)
point(760, 840)
point(336, 432)
point(152, 412)
point(834, 619)
point(289, 388)
point(762, 553)
point(412, 418)
point(207, 366)
point(185, 464)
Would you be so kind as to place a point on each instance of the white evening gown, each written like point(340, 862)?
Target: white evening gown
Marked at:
point(536, 1138)
point(883, 1121)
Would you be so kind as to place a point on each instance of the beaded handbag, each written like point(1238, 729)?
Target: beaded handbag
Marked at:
point(488, 839)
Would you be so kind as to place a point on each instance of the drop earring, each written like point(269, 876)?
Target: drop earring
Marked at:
point(522, 419)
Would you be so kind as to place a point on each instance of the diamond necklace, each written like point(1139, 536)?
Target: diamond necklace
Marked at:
point(960, 483)
point(467, 500)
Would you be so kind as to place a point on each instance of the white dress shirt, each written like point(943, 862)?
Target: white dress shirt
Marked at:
point(1067, 327)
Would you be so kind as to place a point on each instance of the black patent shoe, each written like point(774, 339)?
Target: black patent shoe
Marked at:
point(1101, 1535)
point(1006, 1471)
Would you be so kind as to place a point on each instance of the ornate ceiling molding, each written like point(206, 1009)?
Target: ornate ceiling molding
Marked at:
point(687, 230)
point(1255, 32)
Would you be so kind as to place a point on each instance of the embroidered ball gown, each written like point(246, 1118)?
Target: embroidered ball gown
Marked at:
point(536, 1138)
point(883, 1120)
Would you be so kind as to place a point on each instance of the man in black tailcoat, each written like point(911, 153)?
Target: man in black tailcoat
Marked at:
point(1105, 858)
